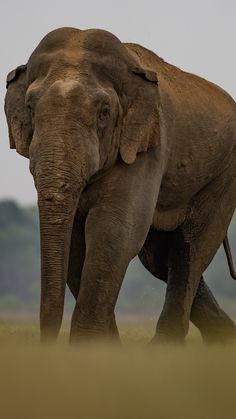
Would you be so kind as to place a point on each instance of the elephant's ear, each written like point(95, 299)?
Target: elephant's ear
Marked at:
point(18, 115)
point(141, 123)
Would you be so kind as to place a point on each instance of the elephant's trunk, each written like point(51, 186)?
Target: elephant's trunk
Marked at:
point(56, 220)
point(58, 183)
point(61, 171)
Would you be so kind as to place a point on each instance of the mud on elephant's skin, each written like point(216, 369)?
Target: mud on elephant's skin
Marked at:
point(130, 156)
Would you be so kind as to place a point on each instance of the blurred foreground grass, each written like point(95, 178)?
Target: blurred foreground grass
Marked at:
point(132, 382)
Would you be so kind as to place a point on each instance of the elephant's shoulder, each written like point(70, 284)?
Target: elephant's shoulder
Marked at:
point(180, 85)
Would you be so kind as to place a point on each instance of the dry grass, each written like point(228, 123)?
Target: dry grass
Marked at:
point(100, 382)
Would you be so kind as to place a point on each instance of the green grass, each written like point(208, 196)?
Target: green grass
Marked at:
point(101, 382)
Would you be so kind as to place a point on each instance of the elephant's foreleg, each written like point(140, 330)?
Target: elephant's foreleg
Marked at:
point(116, 227)
point(76, 262)
point(206, 314)
point(102, 275)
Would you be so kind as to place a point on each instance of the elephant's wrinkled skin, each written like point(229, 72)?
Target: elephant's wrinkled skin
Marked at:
point(130, 156)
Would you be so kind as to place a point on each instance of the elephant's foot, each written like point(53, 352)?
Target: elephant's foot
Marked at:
point(91, 327)
point(217, 330)
point(172, 327)
point(221, 331)
point(92, 336)
point(169, 332)
point(215, 326)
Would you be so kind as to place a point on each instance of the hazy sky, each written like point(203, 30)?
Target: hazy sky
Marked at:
point(198, 36)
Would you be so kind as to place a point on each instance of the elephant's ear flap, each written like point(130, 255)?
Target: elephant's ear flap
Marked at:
point(141, 129)
point(17, 114)
point(149, 75)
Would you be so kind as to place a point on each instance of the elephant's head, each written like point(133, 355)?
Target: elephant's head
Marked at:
point(81, 104)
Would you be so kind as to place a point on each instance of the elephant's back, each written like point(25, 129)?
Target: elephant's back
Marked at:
point(198, 122)
point(185, 89)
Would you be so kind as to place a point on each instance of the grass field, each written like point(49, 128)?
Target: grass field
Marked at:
point(132, 382)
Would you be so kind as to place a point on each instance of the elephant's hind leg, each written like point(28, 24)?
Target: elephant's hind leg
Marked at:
point(76, 263)
point(206, 314)
point(213, 323)
point(192, 248)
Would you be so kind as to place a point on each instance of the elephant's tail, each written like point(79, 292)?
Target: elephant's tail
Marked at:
point(229, 257)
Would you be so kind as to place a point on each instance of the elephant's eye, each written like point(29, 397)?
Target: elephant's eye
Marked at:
point(104, 113)
point(30, 109)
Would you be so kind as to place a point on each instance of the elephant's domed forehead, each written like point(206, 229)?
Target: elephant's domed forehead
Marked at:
point(69, 52)
point(103, 46)
point(72, 43)
point(96, 40)
point(105, 56)
point(56, 48)
point(59, 39)
point(101, 41)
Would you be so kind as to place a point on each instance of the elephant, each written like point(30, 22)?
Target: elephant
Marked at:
point(130, 156)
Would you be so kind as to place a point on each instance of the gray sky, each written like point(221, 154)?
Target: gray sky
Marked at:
point(198, 36)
